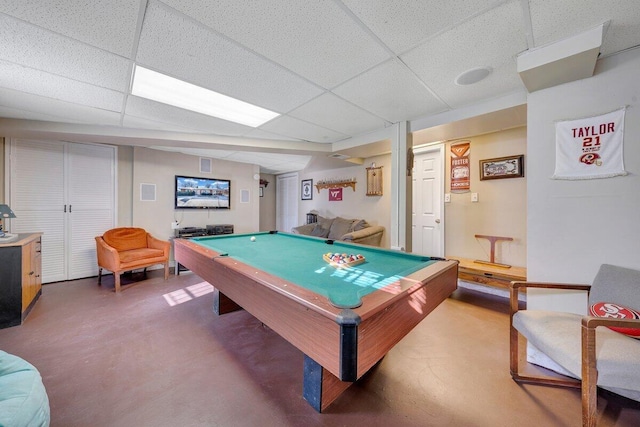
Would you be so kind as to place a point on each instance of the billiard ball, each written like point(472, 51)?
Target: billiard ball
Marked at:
point(253, 238)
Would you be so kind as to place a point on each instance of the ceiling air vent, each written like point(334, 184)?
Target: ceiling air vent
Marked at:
point(339, 156)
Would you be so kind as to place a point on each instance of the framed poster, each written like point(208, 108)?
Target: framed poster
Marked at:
point(460, 171)
point(307, 189)
point(502, 167)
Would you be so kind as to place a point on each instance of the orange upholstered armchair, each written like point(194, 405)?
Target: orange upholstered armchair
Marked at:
point(127, 248)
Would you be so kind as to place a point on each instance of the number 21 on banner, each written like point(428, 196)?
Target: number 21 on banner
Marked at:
point(591, 142)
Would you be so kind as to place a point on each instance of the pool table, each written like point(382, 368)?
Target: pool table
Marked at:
point(344, 320)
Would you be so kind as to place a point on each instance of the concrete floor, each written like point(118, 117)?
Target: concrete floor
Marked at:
point(156, 355)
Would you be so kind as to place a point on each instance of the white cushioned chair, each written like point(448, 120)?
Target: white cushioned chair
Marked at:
point(584, 347)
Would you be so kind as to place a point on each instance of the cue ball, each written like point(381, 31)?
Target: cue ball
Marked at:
point(253, 238)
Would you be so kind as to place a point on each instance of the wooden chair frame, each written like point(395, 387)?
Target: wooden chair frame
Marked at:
point(588, 384)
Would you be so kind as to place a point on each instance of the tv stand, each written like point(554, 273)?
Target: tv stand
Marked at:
point(190, 232)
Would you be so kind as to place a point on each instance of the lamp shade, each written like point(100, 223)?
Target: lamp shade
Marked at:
point(6, 212)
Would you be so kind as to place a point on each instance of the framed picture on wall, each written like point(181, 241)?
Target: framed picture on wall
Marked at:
point(502, 167)
point(307, 189)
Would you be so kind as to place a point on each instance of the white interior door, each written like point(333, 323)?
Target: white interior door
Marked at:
point(287, 202)
point(427, 230)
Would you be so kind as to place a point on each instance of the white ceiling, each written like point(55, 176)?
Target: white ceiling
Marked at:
point(334, 69)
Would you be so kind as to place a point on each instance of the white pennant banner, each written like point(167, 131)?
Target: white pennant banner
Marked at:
point(590, 147)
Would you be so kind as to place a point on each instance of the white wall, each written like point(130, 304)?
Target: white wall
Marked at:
point(160, 167)
point(355, 204)
point(501, 209)
point(574, 226)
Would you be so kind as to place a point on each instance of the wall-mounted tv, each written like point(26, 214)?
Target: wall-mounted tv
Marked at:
point(202, 193)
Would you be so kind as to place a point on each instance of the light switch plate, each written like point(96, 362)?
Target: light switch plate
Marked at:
point(447, 198)
point(474, 197)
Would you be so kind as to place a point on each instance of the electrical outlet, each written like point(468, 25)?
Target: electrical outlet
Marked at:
point(174, 225)
point(447, 198)
point(474, 197)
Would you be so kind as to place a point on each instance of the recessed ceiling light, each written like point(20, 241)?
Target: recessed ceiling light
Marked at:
point(473, 75)
point(168, 90)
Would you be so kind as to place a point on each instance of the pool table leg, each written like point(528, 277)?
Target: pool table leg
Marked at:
point(320, 387)
point(223, 304)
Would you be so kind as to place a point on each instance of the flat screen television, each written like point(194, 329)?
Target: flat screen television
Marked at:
point(202, 193)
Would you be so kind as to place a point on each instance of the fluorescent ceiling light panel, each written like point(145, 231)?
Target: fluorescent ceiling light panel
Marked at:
point(168, 90)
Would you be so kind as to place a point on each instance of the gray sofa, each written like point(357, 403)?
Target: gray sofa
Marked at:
point(348, 230)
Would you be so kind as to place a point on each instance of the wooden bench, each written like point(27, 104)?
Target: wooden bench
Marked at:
point(487, 274)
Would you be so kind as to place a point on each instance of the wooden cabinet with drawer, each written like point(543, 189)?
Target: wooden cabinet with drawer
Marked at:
point(486, 274)
point(20, 278)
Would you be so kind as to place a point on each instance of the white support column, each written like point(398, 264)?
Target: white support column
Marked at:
point(400, 207)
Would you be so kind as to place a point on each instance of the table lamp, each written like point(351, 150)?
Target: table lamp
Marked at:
point(5, 212)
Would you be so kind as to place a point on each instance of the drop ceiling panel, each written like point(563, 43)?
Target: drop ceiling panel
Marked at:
point(163, 113)
point(34, 107)
point(392, 92)
point(141, 123)
point(178, 46)
point(315, 39)
point(37, 82)
point(286, 167)
point(401, 24)
point(267, 161)
point(578, 16)
point(334, 113)
point(108, 24)
point(491, 39)
point(268, 164)
point(295, 128)
point(40, 49)
point(202, 152)
point(261, 134)
point(12, 113)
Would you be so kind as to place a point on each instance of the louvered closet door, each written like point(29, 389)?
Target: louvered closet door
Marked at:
point(37, 198)
point(90, 204)
point(66, 191)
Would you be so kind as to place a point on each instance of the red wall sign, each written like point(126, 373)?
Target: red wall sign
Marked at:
point(460, 173)
point(335, 194)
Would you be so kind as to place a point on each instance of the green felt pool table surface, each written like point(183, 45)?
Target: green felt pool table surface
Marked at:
point(299, 259)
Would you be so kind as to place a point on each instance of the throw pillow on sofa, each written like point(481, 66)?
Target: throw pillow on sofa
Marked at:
point(340, 227)
point(358, 225)
point(322, 227)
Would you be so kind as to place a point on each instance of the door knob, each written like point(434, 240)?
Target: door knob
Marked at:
point(437, 221)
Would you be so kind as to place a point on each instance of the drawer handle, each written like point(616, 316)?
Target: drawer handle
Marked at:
point(31, 273)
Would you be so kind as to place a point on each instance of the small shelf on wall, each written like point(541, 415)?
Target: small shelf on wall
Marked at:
point(374, 181)
point(336, 184)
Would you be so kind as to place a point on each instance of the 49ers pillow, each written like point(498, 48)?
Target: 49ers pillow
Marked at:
point(616, 311)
